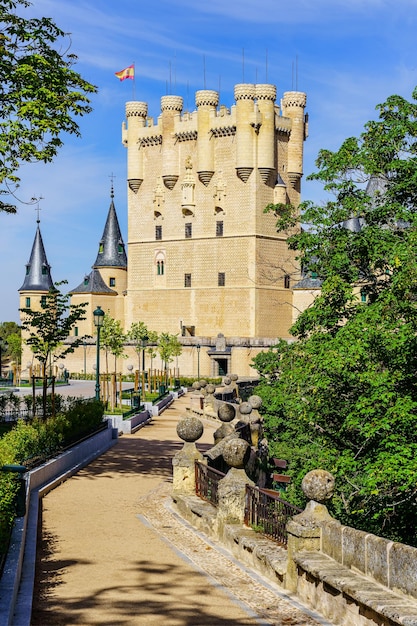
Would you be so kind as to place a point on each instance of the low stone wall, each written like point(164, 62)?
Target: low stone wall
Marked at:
point(16, 583)
point(352, 578)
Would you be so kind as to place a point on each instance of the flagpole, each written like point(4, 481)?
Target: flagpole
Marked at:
point(134, 82)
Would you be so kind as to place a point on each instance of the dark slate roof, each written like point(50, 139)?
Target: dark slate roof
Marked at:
point(354, 224)
point(111, 252)
point(38, 271)
point(93, 283)
point(308, 283)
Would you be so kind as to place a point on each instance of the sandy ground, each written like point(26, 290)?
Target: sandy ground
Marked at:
point(105, 555)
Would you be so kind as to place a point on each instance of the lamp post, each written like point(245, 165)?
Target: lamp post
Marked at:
point(198, 360)
point(98, 323)
point(3, 348)
point(143, 343)
point(85, 358)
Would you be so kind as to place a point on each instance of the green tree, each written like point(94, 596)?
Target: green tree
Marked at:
point(40, 93)
point(169, 347)
point(47, 329)
point(10, 334)
point(112, 341)
point(344, 396)
point(138, 335)
point(151, 346)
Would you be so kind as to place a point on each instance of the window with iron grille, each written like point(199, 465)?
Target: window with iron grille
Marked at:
point(286, 281)
point(219, 229)
point(112, 282)
point(221, 279)
point(187, 280)
point(160, 268)
point(188, 230)
point(158, 232)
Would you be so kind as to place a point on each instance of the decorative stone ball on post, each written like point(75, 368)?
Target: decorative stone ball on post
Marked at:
point(232, 488)
point(233, 383)
point(255, 420)
point(209, 399)
point(197, 398)
point(203, 387)
point(189, 429)
point(318, 487)
point(226, 413)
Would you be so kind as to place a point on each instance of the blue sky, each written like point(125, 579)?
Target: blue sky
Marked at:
point(349, 55)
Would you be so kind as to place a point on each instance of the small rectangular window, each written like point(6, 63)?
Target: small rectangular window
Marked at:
point(219, 229)
point(188, 230)
point(44, 270)
point(221, 279)
point(112, 282)
point(363, 296)
point(43, 301)
point(286, 281)
point(75, 331)
point(187, 280)
point(27, 303)
point(158, 232)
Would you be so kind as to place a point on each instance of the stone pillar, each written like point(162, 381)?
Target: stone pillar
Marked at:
point(304, 530)
point(136, 113)
point(232, 488)
point(197, 398)
point(189, 429)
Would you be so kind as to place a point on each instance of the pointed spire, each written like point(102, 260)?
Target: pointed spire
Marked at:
point(38, 271)
point(111, 252)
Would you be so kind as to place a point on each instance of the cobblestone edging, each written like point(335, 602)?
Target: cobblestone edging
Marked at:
point(263, 597)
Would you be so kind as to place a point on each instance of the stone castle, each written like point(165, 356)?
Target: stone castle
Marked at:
point(203, 260)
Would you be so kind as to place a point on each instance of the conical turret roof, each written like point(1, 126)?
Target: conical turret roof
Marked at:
point(111, 252)
point(38, 271)
point(93, 283)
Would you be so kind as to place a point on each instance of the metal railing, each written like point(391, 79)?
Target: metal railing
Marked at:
point(268, 514)
point(206, 482)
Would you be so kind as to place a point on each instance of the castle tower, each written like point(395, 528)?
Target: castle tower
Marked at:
point(204, 258)
point(105, 285)
point(36, 285)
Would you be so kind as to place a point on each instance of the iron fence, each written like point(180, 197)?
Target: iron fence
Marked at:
point(268, 514)
point(206, 482)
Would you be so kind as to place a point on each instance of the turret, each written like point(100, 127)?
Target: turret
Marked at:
point(38, 279)
point(244, 96)
point(266, 95)
point(171, 106)
point(294, 103)
point(206, 101)
point(136, 113)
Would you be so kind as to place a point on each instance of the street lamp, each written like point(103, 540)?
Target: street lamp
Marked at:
point(143, 343)
point(85, 358)
point(98, 323)
point(198, 360)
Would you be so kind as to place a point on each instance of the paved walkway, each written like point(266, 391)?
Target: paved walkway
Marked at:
point(113, 552)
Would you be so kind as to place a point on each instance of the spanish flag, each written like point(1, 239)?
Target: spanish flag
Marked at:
point(128, 72)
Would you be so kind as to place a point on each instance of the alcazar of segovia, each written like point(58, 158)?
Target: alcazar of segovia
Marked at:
point(203, 260)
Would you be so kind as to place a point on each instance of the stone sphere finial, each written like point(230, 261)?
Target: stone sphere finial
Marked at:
point(190, 429)
point(226, 412)
point(203, 383)
point(227, 380)
point(245, 408)
point(318, 485)
point(196, 385)
point(255, 402)
point(210, 388)
point(234, 377)
point(236, 453)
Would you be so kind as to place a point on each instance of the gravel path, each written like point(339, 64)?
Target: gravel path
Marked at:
point(113, 552)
